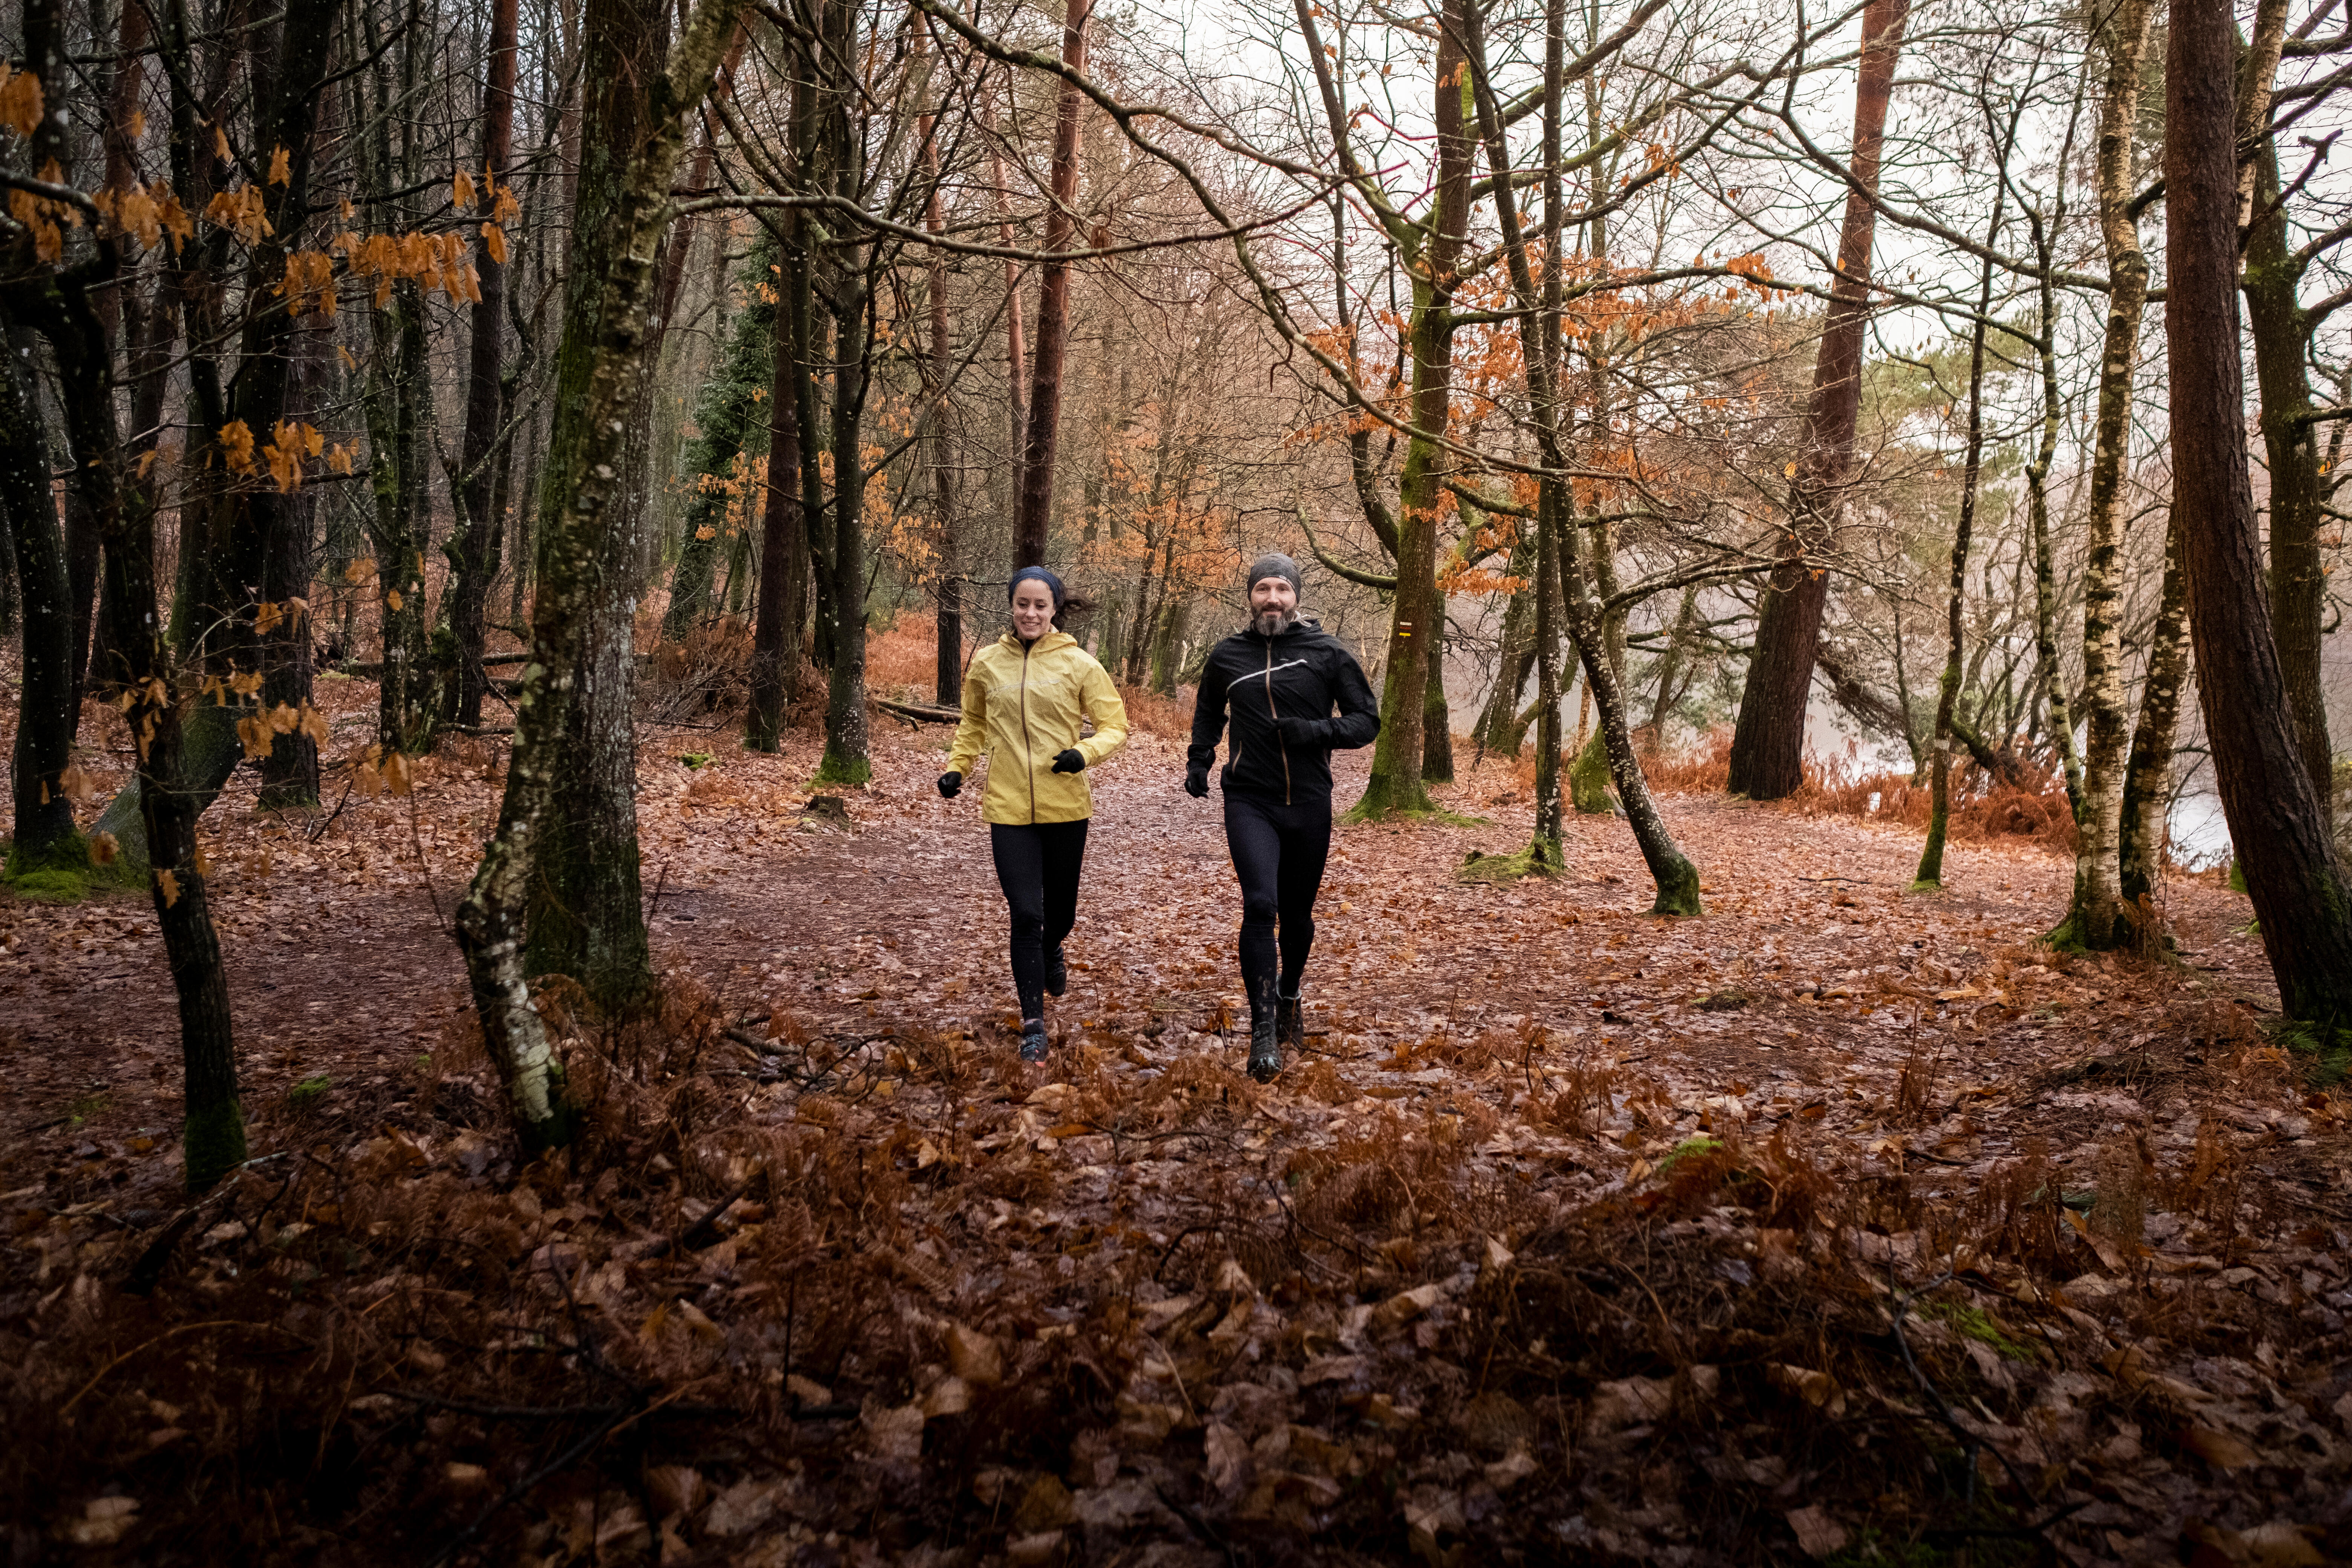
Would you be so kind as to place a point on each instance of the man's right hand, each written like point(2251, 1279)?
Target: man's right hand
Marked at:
point(1196, 782)
point(948, 784)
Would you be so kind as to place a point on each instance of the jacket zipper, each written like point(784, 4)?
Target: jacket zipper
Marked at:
point(1028, 756)
point(1270, 713)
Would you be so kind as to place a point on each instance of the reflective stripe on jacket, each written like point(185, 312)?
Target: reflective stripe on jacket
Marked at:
point(1022, 705)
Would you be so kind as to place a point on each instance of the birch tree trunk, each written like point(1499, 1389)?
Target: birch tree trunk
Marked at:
point(2093, 919)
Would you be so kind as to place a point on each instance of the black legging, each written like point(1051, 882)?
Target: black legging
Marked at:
point(1278, 852)
point(1037, 865)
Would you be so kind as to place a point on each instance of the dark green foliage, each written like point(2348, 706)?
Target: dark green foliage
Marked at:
point(730, 417)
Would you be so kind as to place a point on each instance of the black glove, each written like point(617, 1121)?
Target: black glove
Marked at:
point(948, 784)
point(1300, 731)
point(1072, 761)
point(1196, 782)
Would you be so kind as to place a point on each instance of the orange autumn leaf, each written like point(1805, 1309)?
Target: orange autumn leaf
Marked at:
point(20, 101)
point(237, 446)
point(281, 167)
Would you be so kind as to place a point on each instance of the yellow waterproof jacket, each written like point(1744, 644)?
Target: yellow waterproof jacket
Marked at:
point(1022, 705)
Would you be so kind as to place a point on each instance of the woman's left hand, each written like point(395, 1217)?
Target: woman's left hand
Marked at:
point(1070, 761)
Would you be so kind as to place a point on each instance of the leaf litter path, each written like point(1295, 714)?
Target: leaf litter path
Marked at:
point(1572, 1056)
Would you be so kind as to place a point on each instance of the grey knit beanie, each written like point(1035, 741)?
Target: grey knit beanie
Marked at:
point(1274, 563)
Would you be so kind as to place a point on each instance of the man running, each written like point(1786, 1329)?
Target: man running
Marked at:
point(1281, 676)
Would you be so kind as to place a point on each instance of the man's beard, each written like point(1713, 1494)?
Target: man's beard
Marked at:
point(1269, 622)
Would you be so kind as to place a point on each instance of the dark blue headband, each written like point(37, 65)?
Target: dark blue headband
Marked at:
point(1038, 574)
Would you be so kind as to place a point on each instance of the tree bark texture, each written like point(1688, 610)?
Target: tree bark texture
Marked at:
point(587, 913)
point(1768, 743)
point(48, 705)
point(2147, 773)
point(213, 1134)
point(845, 760)
point(1398, 754)
point(2298, 884)
point(2281, 330)
point(608, 297)
point(783, 549)
point(1037, 461)
point(485, 404)
point(2093, 918)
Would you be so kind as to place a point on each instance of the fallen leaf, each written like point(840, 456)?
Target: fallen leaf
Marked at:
point(2218, 1449)
point(1817, 1533)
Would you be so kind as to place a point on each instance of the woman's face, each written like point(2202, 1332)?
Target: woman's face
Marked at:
point(1032, 609)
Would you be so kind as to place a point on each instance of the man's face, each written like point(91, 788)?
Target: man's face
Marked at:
point(1273, 602)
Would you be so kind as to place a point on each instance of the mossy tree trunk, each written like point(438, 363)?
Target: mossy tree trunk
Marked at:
point(623, 196)
point(1430, 252)
point(2301, 894)
point(587, 912)
point(2300, 488)
point(139, 665)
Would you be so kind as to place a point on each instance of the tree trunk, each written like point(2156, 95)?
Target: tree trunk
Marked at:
point(1398, 755)
point(46, 705)
point(2093, 918)
point(2282, 331)
point(398, 381)
point(940, 366)
point(608, 297)
point(2147, 775)
point(1768, 743)
point(1948, 688)
point(213, 1136)
point(485, 405)
point(846, 759)
point(2047, 674)
point(1436, 719)
point(1500, 731)
point(783, 549)
point(2299, 891)
point(1016, 354)
point(587, 912)
point(1036, 514)
point(726, 416)
point(1675, 877)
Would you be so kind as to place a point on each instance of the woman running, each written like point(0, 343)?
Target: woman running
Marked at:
point(1024, 695)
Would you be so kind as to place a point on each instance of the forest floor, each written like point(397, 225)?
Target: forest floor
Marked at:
point(1838, 1223)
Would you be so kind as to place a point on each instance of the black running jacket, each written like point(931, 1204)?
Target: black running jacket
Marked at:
point(1300, 673)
